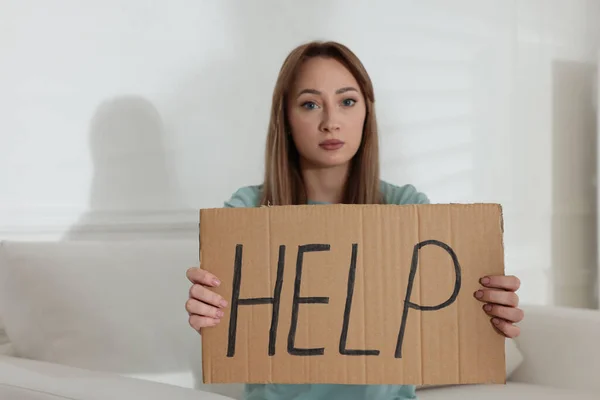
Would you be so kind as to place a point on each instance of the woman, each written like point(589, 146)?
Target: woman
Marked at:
point(322, 147)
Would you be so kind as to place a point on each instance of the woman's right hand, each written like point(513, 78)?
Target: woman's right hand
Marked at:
point(203, 305)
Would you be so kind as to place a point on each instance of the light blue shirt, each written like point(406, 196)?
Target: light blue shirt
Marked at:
point(249, 196)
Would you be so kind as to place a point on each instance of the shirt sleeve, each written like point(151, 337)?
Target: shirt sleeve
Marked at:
point(248, 196)
point(406, 194)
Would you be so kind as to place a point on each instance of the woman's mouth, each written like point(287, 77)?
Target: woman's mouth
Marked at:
point(331, 144)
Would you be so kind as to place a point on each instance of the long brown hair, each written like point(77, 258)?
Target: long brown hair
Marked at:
point(283, 184)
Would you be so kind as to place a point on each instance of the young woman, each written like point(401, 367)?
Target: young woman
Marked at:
point(322, 147)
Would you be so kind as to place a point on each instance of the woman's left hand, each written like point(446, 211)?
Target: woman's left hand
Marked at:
point(501, 303)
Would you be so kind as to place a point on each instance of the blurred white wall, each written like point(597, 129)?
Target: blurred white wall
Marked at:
point(112, 112)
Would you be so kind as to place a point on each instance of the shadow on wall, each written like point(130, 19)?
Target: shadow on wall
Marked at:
point(131, 178)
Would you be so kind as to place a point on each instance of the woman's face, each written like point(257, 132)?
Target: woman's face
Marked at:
point(326, 113)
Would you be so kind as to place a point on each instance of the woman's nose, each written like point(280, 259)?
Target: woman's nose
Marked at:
point(330, 122)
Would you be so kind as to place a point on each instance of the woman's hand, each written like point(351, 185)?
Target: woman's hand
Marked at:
point(203, 306)
point(501, 303)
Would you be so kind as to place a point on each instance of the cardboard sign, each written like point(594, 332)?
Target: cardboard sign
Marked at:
point(373, 294)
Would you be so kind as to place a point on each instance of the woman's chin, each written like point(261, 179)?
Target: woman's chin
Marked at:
point(327, 161)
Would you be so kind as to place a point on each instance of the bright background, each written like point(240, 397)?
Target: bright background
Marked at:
point(123, 118)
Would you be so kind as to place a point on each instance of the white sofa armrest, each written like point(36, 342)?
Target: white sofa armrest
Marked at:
point(560, 348)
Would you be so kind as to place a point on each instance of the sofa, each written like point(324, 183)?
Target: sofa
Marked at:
point(102, 319)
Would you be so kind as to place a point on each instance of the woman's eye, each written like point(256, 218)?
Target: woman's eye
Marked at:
point(309, 105)
point(349, 102)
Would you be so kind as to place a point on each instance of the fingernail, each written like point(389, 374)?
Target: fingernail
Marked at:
point(223, 303)
point(220, 313)
point(496, 321)
point(487, 307)
point(216, 282)
point(485, 280)
point(479, 294)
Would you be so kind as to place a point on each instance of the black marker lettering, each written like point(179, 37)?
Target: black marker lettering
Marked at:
point(304, 300)
point(344, 335)
point(236, 301)
point(413, 270)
